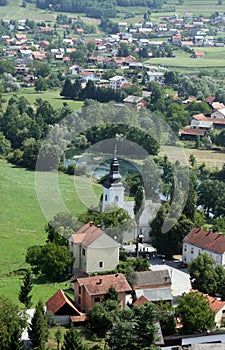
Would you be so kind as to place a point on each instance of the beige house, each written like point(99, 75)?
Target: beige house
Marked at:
point(93, 250)
point(91, 290)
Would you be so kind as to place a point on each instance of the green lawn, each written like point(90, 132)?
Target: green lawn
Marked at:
point(22, 222)
point(214, 58)
point(53, 97)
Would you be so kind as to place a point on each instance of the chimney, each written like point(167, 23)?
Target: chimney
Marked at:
point(91, 223)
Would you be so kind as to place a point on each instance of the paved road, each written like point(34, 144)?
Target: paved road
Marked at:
point(180, 278)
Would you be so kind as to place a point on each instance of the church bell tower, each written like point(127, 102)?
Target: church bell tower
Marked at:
point(113, 189)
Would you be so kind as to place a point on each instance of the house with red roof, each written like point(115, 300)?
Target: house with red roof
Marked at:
point(217, 306)
point(93, 250)
point(91, 290)
point(199, 241)
point(64, 310)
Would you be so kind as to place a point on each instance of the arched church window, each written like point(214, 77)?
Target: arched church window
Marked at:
point(106, 197)
point(116, 199)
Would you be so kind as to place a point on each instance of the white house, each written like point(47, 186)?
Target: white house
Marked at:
point(155, 76)
point(117, 81)
point(200, 241)
point(75, 69)
point(93, 250)
point(85, 76)
point(219, 114)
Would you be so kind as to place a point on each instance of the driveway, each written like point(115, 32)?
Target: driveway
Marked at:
point(180, 278)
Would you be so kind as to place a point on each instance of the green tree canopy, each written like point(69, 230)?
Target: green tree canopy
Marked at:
point(38, 330)
point(12, 323)
point(194, 311)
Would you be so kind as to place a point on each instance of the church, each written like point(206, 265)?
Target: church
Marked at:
point(113, 193)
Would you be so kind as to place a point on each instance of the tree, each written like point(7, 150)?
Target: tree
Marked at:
point(25, 289)
point(5, 145)
point(194, 311)
point(111, 294)
point(138, 209)
point(38, 330)
point(210, 193)
point(51, 259)
point(145, 325)
point(12, 323)
point(58, 337)
point(60, 228)
point(72, 340)
point(41, 85)
point(202, 274)
point(100, 319)
point(166, 315)
point(122, 336)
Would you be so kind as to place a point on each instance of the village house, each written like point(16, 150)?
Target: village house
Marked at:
point(93, 250)
point(86, 76)
point(154, 286)
point(64, 310)
point(155, 76)
point(135, 101)
point(91, 290)
point(217, 306)
point(201, 121)
point(117, 81)
point(199, 241)
point(189, 133)
point(219, 114)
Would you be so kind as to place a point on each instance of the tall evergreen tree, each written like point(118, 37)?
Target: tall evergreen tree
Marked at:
point(38, 330)
point(25, 289)
point(72, 340)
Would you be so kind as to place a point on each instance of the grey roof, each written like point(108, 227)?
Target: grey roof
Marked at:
point(156, 294)
point(153, 278)
point(213, 346)
point(133, 99)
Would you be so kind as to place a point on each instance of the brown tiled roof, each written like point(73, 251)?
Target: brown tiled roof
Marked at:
point(58, 300)
point(192, 131)
point(210, 99)
point(81, 318)
point(87, 234)
point(217, 105)
point(152, 279)
point(200, 116)
point(141, 301)
point(206, 240)
point(217, 120)
point(99, 285)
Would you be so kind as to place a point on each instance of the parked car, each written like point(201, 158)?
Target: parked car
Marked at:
point(182, 265)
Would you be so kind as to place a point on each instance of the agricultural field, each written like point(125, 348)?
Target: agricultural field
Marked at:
point(22, 224)
point(52, 96)
point(214, 59)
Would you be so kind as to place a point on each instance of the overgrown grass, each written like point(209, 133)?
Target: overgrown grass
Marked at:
point(22, 221)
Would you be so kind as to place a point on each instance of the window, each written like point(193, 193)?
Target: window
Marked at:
point(106, 197)
point(116, 199)
point(192, 250)
point(97, 299)
point(79, 289)
point(79, 300)
point(83, 251)
point(185, 248)
point(101, 264)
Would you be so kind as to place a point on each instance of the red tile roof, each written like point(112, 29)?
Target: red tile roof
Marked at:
point(58, 300)
point(217, 105)
point(100, 284)
point(210, 99)
point(200, 116)
point(192, 131)
point(141, 301)
point(87, 234)
point(217, 121)
point(206, 240)
point(214, 303)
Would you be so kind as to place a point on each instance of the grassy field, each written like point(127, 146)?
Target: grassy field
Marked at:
point(22, 223)
point(211, 158)
point(214, 58)
point(51, 95)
